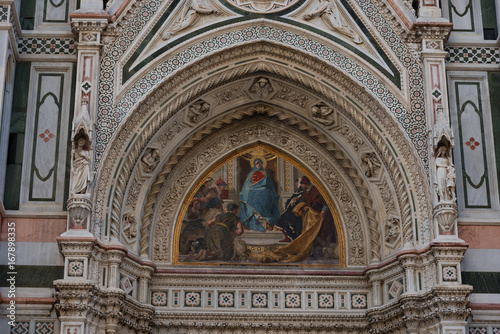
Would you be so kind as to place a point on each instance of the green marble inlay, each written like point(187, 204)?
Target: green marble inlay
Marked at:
point(482, 282)
point(489, 17)
point(32, 276)
point(494, 88)
point(16, 137)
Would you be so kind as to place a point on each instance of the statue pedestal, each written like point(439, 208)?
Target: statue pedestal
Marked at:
point(258, 242)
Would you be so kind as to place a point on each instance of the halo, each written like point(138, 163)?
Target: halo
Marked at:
point(258, 157)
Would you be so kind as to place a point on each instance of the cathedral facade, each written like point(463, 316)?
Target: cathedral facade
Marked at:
point(250, 166)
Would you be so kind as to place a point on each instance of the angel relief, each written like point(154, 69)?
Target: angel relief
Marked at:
point(259, 207)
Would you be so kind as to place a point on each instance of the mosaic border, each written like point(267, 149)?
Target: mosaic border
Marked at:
point(46, 46)
point(473, 55)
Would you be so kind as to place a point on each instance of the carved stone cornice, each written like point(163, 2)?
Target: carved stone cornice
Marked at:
point(76, 246)
point(425, 30)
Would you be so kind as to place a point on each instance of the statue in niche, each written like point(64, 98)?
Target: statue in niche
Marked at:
point(150, 160)
point(261, 87)
point(81, 166)
point(329, 12)
point(129, 226)
point(445, 174)
point(323, 114)
point(371, 164)
point(198, 110)
point(190, 12)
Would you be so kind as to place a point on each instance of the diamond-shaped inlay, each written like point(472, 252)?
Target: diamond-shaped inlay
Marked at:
point(86, 86)
point(395, 289)
point(46, 135)
point(44, 328)
point(436, 94)
point(20, 328)
point(478, 330)
point(472, 143)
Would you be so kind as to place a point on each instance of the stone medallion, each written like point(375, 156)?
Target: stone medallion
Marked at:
point(263, 6)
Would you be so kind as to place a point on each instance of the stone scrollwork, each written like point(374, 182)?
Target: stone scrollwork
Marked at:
point(292, 96)
point(351, 137)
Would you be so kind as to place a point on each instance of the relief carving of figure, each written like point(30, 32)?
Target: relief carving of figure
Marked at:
point(323, 114)
point(329, 12)
point(261, 87)
point(371, 164)
point(392, 231)
point(445, 175)
point(198, 110)
point(190, 12)
point(81, 167)
point(129, 226)
point(150, 160)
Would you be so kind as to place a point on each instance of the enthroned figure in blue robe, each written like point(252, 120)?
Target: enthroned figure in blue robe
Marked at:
point(258, 198)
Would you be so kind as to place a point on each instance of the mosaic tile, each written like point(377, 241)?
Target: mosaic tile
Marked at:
point(75, 268)
point(473, 55)
point(478, 330)
point(450, 274)
point(359, 301)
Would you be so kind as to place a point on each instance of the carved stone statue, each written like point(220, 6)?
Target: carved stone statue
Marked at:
point(323, 114)
point(444, 184)
point(150, 160)
point(371, 164)
point(81, 167)
point(261, 87)
point(129, 226)
point(329, 12)
point(190, 12)
point(198, 110)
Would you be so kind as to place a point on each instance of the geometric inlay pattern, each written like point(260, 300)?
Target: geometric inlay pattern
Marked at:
point(472, 143)
point(4, 13)
point(159, 298)
point(450, 274)
point(259, 299)
point(395, 289)
point(20, 328)
point(46, 46)
point(473, 55)
point(192, 299)
point(292, 300)
point(226, 299)
point(44, 328)
point(326, 300)
point(359, 301)
point(478, 330)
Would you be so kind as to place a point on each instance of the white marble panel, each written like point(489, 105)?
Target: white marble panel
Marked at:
point(34, 254)
point(481, 260)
